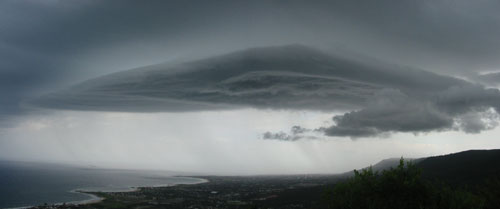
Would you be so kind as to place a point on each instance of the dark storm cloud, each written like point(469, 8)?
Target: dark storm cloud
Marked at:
point(489, 79)
point(477, 121)
point(46, 45)
point(392, 111)
point(288, 77)
point(43, 43)
point(469, 108)
point(280, 136)
point(461, 99)
point(296, 133)
point(382, 98)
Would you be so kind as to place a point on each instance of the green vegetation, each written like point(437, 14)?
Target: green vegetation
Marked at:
point(404, 188)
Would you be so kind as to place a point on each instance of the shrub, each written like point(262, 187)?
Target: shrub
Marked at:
point(402, 188)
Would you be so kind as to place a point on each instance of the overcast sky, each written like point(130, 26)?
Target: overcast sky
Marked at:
point(405, 75)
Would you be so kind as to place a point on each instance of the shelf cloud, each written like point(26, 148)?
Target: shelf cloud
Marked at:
point(51, 44)
point(379, 98)
point(55, 44)
point(254, 86)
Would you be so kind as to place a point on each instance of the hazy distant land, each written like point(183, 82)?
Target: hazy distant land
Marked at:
point(467, 169)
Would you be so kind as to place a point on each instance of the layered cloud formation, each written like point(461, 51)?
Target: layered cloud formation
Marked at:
point(379, 98)
point(46, 45)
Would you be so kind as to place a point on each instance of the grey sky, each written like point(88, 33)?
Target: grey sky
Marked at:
point(49, 46)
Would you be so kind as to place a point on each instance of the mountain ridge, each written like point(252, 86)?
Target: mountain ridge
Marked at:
point(470, 167)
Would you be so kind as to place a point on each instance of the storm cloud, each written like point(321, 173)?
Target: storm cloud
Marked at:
point(46, 46)
point(296, 133)
point(380, 98)
point(392, 111)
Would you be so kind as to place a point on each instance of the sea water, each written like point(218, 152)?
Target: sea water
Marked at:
point(29, 184)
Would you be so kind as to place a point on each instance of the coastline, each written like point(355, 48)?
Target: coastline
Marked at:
point(94, 198)
point(221, 192)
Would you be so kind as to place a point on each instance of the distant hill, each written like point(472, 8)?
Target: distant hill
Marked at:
point(469, 167)
point(388, 163)
point(383, 165)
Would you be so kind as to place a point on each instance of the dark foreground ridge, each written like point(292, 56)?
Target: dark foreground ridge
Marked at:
point(463, 168)
point(467, 179)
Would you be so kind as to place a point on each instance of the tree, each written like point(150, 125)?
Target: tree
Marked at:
point(402, 187)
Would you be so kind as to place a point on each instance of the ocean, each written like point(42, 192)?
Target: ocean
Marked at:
point(28, 184)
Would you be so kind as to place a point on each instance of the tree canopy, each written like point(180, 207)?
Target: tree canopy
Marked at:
point(401, 187)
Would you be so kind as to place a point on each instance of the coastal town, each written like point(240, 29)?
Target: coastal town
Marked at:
point(291, 191)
